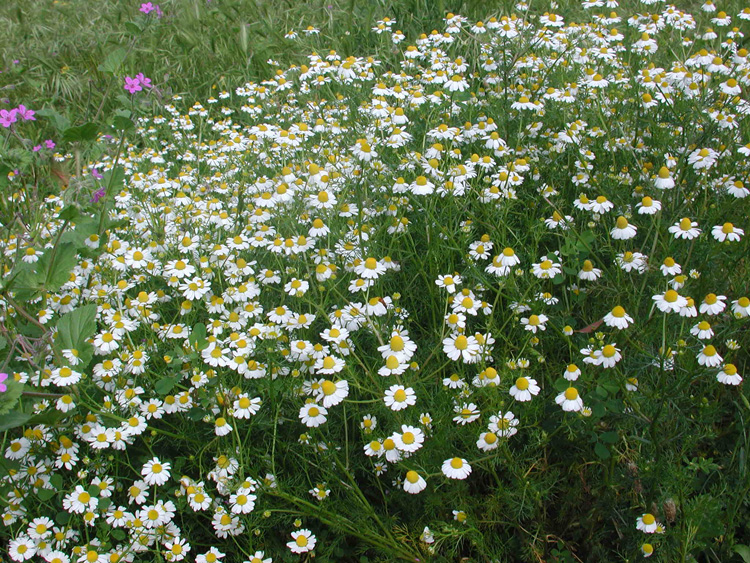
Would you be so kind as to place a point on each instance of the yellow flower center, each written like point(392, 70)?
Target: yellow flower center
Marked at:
point(522, 383)
point(571, 393)
point(461, 343)
point(457, 463)
point(671, 296)
point(301, 541)
point(412, 476)
point(648, 519)
point(608, 351)
point(397, 343)
point(400, 395)
point(685, 224)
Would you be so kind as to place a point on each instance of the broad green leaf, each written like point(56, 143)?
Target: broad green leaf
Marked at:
point(601, 451)
point(56, 481)
point(9, 398)
point(133, 28)
point(197, 337)
point(76, 327)
point(123, 123)
point(114, 178)
point(13, 419)
point(743, 551)
point(609, 437)
point(165, 385)
point(60, 122)
point(70, 213)
point(114, 60)
point(56, 264)
point(85, 132)
point(45, 494)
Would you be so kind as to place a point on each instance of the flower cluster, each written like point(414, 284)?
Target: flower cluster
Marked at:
point(418, 266)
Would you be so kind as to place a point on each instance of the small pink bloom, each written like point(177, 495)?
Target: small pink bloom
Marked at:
point(27, 114)
point(147, 7)
point(146, 82)
point(3, 387)
point(7, 117)
point(132, 85)
point(50, 144)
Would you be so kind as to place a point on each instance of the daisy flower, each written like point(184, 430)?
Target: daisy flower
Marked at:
point(648, 206)
point(456, 468)
point(663, 179)
point(398, 397)
point(623, 230)
point(647, 550)
point(257, 557)
point(702, 158)
point(487, 441)
point(728, 375)
point(702, 330)
point(608, 356)
point(618, 318)
point(448, 283)
point(524, 388)
point(304, 541)
point(370, 269)
point(670, 301)
point(601, 205)
point(466, 413)
point(546, 269)
point(503, 424)
point(588, 272)
point(727, 232)
point(410, 439)
point(155, 472)
point(534, 323)
point(646, 523)
point(741, 307)
point(709, 357)
point(332, 393)
point(460, 346)
point(328, 365)
point(570, 400)
point(689, 310)
point(712, 304)
point(572, 372)
point(669, 267)
point(313, 415)
point(685, 229)
point(414, 483)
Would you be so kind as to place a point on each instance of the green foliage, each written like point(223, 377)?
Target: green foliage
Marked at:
point(659, 434)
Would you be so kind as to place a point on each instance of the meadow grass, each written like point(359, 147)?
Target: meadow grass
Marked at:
point(374, 281)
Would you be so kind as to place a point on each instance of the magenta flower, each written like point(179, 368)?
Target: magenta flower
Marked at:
point(132, 85)
point(98, 194)
point(50, 144)
point(96, 174)
point(147, 7)
point(3, 387)
point(145, 82)
point(37, 148)
point(27, 114)
point(7, 117)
